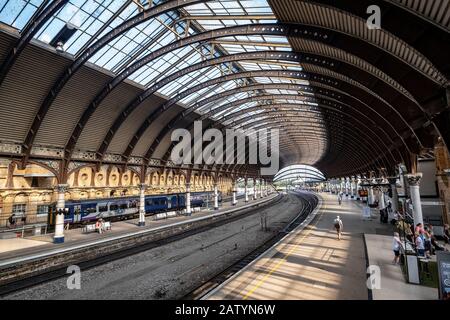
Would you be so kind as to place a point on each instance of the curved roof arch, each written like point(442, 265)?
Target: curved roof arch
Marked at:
point(389, 86)
point(299, 172)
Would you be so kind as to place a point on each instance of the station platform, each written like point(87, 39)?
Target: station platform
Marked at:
point(312, 264)
point(20, 249)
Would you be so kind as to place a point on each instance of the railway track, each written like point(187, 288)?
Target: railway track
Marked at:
point(28, 282)
point(310, 202)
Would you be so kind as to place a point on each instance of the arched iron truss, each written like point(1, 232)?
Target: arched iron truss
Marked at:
point(176, 121)
point(390, 85)
point(351, 137)
point(298, 169)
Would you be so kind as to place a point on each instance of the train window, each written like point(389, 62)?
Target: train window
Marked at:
point(149, 202)
point(113, 207)
point(103, 208)
point(123, 206)
point(132, 204)
point(91, 210)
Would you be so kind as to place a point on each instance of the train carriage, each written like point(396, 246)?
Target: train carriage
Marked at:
point(112, 209)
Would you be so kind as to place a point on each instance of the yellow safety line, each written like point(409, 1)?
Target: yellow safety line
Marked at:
point(278, 265)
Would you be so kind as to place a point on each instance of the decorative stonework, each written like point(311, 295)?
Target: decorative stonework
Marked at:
point(154, 162)
point(73, 165)
point(170, 163)
point(62, 188)
point(142, 186)
point(80, 155)
point(48, 152)
point(54, 164)
point(136, 160)
point(414, 179)
point(10, 148)
point(112, 157)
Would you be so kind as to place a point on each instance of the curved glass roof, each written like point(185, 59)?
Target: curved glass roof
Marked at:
point(94, 18)
point(299, 173)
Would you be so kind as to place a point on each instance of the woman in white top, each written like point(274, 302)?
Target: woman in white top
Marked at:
point(396, 248)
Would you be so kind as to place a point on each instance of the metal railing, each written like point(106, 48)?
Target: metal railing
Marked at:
point(26, 230)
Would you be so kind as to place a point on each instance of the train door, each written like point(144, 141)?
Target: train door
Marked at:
point(77, 213)
point(169, 203)
point(51, 218)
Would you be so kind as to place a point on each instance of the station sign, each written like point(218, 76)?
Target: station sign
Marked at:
point(443, 262)
point(363, 193)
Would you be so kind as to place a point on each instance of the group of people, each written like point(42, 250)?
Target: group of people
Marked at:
point(421, 236)
point(425, 241)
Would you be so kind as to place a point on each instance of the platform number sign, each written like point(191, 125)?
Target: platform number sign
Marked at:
point(443, 261)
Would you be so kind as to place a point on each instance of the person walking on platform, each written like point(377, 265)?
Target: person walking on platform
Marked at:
point(340, 198)
point(339, 226)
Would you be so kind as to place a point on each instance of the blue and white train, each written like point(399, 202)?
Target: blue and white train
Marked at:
point(113, 209)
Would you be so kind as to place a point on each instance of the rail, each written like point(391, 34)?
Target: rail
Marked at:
point(310, 203)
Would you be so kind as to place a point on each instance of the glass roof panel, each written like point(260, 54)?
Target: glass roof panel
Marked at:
point(95, 18)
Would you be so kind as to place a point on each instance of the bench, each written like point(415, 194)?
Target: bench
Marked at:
point(91, 227)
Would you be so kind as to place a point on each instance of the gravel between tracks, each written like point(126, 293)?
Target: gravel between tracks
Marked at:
point(172, 270)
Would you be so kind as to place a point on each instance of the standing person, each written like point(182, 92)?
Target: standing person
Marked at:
point(340, 198)
point(339, 226)
point(396, 242)
point(99, 226)
point(420, 245)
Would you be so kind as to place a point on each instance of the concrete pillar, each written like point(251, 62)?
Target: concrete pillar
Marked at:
point(234, 194)
point(382, 202)
point(393, 183)
point(142, 188)
point(357, 188)
point(60, 210)
point(371, 199)
point(246, 190)
point(414, 189)
point(216, 197)
point(352, 188)
point(188, 199)
point(261, 194)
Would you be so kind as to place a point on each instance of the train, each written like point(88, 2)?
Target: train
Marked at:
point(123, 208)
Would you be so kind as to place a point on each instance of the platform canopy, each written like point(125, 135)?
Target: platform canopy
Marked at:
point(299, 174)
point(108, 81)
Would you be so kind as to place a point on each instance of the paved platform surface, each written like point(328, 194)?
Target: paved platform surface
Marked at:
point(312, 263)
point(16, 248)
point(393, 285)
point(7, 245)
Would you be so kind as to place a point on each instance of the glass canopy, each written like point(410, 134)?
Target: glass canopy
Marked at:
point(94, 18)
point(303, 173)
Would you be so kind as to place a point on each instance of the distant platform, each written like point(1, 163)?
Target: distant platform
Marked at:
point(18, 249)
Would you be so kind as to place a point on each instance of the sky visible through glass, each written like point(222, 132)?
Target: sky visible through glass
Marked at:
point(95, 18)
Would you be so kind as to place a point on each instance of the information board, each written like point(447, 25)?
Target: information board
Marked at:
point(443, 262)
